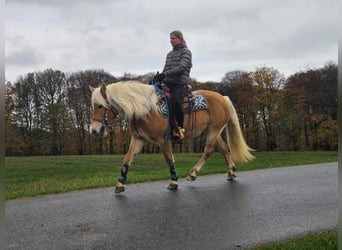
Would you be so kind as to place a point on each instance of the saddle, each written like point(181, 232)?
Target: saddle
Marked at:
point(189, 93)
point(193, 100)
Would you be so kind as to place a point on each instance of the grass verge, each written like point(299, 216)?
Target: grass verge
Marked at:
point(31, 176)
point(326, 240)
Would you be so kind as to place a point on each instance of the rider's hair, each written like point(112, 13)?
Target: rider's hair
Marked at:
point(179, 35)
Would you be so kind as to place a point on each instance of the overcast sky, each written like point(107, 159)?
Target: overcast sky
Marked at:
point(133, 36)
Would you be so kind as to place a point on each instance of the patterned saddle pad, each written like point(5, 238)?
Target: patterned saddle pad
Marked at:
point(196, 102)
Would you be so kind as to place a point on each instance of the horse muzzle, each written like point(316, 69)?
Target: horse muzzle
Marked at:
point(98, 129)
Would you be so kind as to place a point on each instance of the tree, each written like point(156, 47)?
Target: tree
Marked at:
point(230, 78)
point(11, 140)
point(238, 85)
point(49, 112)
point(312, 95)
point(327, 100)
point(327, 136)
point(56, 121)
point(268, 83)
point(78, 101)
point(52, 85)
point(24, 92)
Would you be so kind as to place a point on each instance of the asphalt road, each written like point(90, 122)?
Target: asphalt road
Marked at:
point(210, 213)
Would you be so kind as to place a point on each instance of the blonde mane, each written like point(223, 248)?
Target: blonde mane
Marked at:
point(134, 98)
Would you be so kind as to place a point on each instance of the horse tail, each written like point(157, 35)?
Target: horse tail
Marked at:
point(240, 151)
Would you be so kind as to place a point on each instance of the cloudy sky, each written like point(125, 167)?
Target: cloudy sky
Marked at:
point(133, 35)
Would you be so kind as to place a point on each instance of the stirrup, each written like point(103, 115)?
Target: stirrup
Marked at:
point(178, 135)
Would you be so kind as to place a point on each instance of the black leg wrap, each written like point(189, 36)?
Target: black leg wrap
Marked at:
point(123, 176)
point(173, 172)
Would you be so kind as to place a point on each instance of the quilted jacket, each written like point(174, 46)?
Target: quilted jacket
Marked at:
point(177, 66)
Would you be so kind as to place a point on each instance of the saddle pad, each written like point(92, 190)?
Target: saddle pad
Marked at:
point(197, 102)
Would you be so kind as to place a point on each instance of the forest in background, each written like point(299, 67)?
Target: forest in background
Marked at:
point(48, 112)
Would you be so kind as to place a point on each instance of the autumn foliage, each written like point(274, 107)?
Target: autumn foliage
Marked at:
point(48, 112)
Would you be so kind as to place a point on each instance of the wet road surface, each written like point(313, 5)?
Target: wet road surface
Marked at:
point(210, 213)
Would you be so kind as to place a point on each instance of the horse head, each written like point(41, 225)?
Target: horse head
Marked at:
point(103, 113)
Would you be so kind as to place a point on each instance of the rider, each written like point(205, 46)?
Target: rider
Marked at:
point(176, 77)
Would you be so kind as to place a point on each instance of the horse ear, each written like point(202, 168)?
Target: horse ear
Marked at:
point(103, 91)
point(91, 89)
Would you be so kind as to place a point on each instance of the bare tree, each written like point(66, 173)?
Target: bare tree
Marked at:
point(78, 100)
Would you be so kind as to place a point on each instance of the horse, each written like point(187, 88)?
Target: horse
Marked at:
point(139, 105)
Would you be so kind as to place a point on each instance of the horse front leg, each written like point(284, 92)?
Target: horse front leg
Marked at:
point(134, 148)
point(167, 152)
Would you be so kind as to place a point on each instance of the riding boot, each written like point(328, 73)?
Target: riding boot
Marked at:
point(178, 134)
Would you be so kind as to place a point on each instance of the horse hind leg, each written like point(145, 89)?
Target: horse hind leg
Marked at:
point(208, 151)
point(224, 149)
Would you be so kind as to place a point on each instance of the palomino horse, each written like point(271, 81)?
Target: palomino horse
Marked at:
point(138, 104)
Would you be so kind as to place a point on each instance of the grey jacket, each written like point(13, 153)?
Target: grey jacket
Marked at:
point(177, 66)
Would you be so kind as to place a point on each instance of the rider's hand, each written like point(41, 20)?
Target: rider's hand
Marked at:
point(159, 77)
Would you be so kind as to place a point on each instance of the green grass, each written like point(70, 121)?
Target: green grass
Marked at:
point(31, 176)
point(320, 241)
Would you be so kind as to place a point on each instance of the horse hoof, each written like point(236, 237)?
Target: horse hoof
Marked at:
point(173, 185)
point(231, 176)
point(119, 188)
point(190, 178)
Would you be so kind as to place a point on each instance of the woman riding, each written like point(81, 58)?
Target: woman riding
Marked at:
point(175, 76)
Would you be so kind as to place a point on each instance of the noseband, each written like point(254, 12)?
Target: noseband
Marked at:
point(119, 116)
point(104, 120)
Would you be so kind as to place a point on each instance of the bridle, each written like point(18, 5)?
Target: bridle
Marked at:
point(117, 112)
